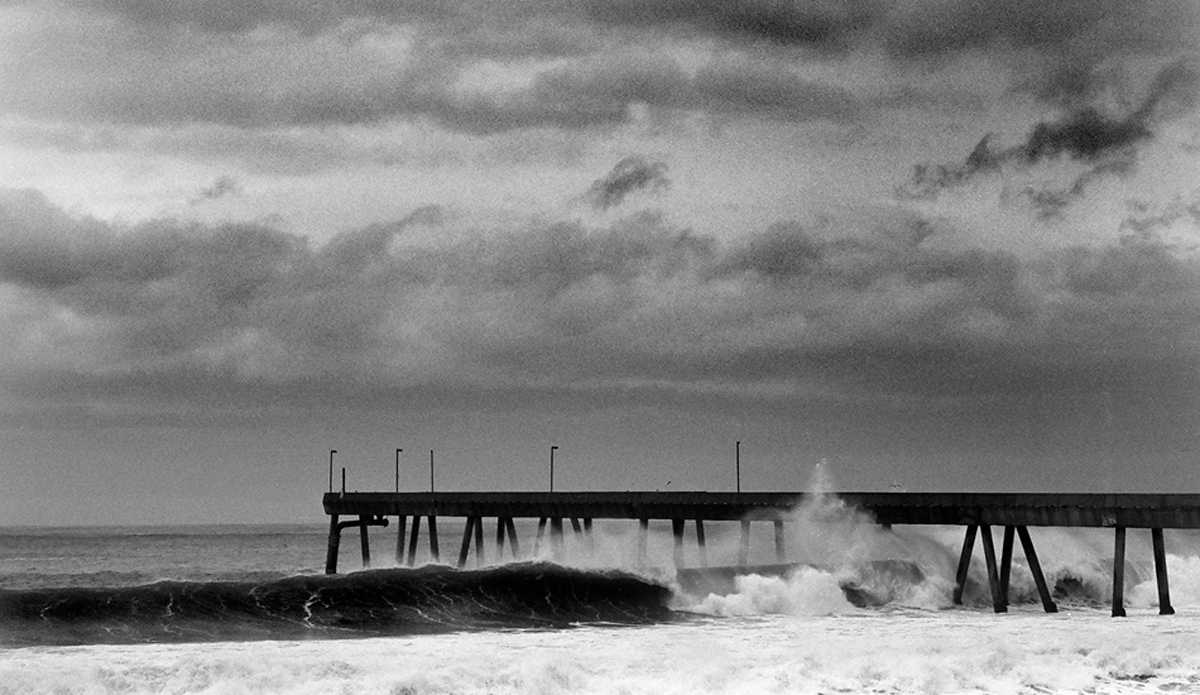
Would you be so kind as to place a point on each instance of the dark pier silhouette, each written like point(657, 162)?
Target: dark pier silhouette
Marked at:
point(978, 512)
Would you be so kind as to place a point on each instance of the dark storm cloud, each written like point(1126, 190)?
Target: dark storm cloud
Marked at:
point(320, 82)
point(1106, 144)
point(629, 176)
point(772, 91)
point(245, 309)
point(1064, 29)
point(267, 65)
point(826, 25)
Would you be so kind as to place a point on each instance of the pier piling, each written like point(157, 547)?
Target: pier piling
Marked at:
point(1006, 553)
point(557, 545)
point(677, 532)
point(1160, 572)
point(478, 541)
point(643, 533)
point(401, 527)
point(434, 556)
point(366, 543)
point(513, 543)
point(989, 555)
point(465, 549)
point(964, 563)
point(412, 541)
point(1035, 568)
point(1118, 584)
point(335, 539)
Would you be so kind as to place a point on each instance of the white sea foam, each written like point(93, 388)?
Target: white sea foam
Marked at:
point(806, 592)
point(895, 652)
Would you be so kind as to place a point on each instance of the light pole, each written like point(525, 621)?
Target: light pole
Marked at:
point(398, 469)
point(331, 453)
point(552, 449)
point(737, 457)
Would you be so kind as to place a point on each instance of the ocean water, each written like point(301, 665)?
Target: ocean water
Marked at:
point(246, 609)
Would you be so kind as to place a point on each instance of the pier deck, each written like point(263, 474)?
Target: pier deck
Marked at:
point(940, 508)
point(978, 512)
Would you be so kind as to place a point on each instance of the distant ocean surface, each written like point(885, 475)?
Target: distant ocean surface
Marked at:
point(247, 609)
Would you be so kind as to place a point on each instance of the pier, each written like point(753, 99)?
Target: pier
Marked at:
point(1013, 513)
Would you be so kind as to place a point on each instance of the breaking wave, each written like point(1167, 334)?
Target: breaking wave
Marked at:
point(430, 599)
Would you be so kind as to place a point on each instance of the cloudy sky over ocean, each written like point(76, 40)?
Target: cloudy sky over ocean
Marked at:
point(940, 245)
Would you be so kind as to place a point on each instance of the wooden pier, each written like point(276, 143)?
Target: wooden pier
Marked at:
point(978, 512)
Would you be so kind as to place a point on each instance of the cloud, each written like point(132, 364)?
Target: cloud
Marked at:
point(223, 186)
point(772, 91)
point(1070, 31)
point(824, 25)
point(245, 314)
point(482, 69)
point(629, 176)
point(1147, 224)
point(1106, 144)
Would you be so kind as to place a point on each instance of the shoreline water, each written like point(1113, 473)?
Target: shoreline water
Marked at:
point(771, 634)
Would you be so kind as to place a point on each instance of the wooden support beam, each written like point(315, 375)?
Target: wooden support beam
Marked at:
point(576, 527)
point(478, 541)
point(500, 529)
point(412, 541)
point(587, 532)
point(401, 526)
point(964, 563)
point(744, 543)
point(700, 543)
point(677, 532)
point(989, 555)
point(643, 533)
point(465, 549)
point(1118, 596)
point(335, 540)
point(1035, 568)
point(1006, 553)
point(364, 540)
point(512, 537)
point(779, 553)
point(1160, 572)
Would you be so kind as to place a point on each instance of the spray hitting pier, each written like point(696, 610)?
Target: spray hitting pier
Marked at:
point(977, 512)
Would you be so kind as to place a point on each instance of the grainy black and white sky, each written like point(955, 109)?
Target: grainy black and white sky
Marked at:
point(940, 245)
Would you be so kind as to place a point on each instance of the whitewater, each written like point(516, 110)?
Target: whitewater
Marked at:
point(245, 610)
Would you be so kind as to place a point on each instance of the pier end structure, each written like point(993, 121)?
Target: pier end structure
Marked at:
point(978, 512)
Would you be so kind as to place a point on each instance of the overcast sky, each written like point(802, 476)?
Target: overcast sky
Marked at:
point(938, 245)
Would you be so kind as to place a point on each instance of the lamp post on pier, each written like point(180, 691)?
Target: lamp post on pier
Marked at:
point(398, 469)
point(552, 450)
point(737, 457)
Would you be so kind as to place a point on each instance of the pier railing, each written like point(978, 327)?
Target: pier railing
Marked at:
point(978, 512)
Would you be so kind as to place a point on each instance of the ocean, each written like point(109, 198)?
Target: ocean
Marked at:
point(247, 609)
